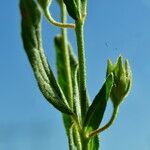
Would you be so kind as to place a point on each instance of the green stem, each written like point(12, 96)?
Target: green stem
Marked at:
point(69, 92)
point(110, 122)
point(82, 68)
point(77, 138)
point(55, 23)
point(84, 9)
point(85, 142)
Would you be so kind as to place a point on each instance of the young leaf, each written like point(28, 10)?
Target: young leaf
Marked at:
point(72, 8)
point(96, 110)
point(31, 35)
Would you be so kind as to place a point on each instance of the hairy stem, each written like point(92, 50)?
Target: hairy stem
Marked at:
point(69, 89)
point(69, 95)
point(55, 23)
point(82, 68)
point(110, 122)
point(84, 9)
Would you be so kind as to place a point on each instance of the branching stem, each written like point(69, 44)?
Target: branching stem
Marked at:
point(58, 24)
point(110, 122)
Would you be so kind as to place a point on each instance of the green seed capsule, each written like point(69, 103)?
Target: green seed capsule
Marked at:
point(122, 80)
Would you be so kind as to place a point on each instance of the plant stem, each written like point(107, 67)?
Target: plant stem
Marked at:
point(77, 137)
point(84, 9)
point(66, 58)
point(69, 90)
point(85, 142)
point(55, 23)
point(110, 122)
point(82, 67)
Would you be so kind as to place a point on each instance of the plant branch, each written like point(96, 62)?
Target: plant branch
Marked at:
point(69, 89)
point(110, 122)
point(82, 67)
point(58, 24)
point(84, 9)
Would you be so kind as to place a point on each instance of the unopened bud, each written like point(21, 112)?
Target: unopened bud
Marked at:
point(122, 80)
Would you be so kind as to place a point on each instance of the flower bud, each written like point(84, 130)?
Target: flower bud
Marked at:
point(122, 80)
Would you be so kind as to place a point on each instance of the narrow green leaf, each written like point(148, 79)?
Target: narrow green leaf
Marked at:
point(60, 62)
point(31, 35)
point(61, 75)
point(72, 8)
point(68, 123)
point(96, 110)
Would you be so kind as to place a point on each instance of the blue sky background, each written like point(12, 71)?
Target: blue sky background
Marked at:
point(113, 27)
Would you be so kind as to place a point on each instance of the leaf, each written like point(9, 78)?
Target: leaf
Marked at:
point(60, 64)
point(58, 41)
point(96, 110)
point(60, 61)
point(72, 8)
point(31, 35)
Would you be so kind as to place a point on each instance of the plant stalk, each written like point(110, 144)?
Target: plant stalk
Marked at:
point(82, 68)
point(69, 90)
point(66, 58)
point(85, 142)
point(105, 127)
point(55, 23)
